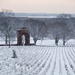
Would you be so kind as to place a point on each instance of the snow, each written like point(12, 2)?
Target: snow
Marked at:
point(45, 42)
point(45, 59)
point(37, 60)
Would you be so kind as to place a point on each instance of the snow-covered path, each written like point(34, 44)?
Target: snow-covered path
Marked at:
point(37, 60)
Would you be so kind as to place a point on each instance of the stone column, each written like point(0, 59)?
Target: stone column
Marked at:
point(19, 37)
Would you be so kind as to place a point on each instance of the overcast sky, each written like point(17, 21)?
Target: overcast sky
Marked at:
point(39, 6)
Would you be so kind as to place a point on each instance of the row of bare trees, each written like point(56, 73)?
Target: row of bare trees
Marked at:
point(62, 27)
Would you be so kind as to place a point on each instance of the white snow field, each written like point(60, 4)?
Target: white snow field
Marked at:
point(37, 60)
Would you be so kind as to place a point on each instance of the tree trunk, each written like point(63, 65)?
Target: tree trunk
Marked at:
point(56, 41)
point(64, 41)
point(6, 39)
point(9, 41)
point(35, 40)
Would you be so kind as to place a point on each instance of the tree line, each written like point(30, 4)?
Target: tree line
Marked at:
point(62, 27)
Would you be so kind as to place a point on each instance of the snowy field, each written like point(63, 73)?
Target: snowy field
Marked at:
point(37, 60)
point(43, 59)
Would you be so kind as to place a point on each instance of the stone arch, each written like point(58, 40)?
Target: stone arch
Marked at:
point(20, 33)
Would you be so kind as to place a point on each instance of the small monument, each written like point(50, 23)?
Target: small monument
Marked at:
point(14, 54)
point(23, 36)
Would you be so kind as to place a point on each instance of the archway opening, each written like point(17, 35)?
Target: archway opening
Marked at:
point(23, 40)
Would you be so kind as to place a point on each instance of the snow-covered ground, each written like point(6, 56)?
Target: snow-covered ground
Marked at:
point(45, 59)
point(37, 60)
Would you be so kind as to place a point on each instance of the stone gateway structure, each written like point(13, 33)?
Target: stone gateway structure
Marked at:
point(20, 39)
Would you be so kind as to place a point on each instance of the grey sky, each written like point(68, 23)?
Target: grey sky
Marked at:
point(39, 6)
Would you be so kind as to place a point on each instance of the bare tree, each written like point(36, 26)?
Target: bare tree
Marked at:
point(36, 28)
point(66, 26)
point(7, 26)
point(54, 29)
